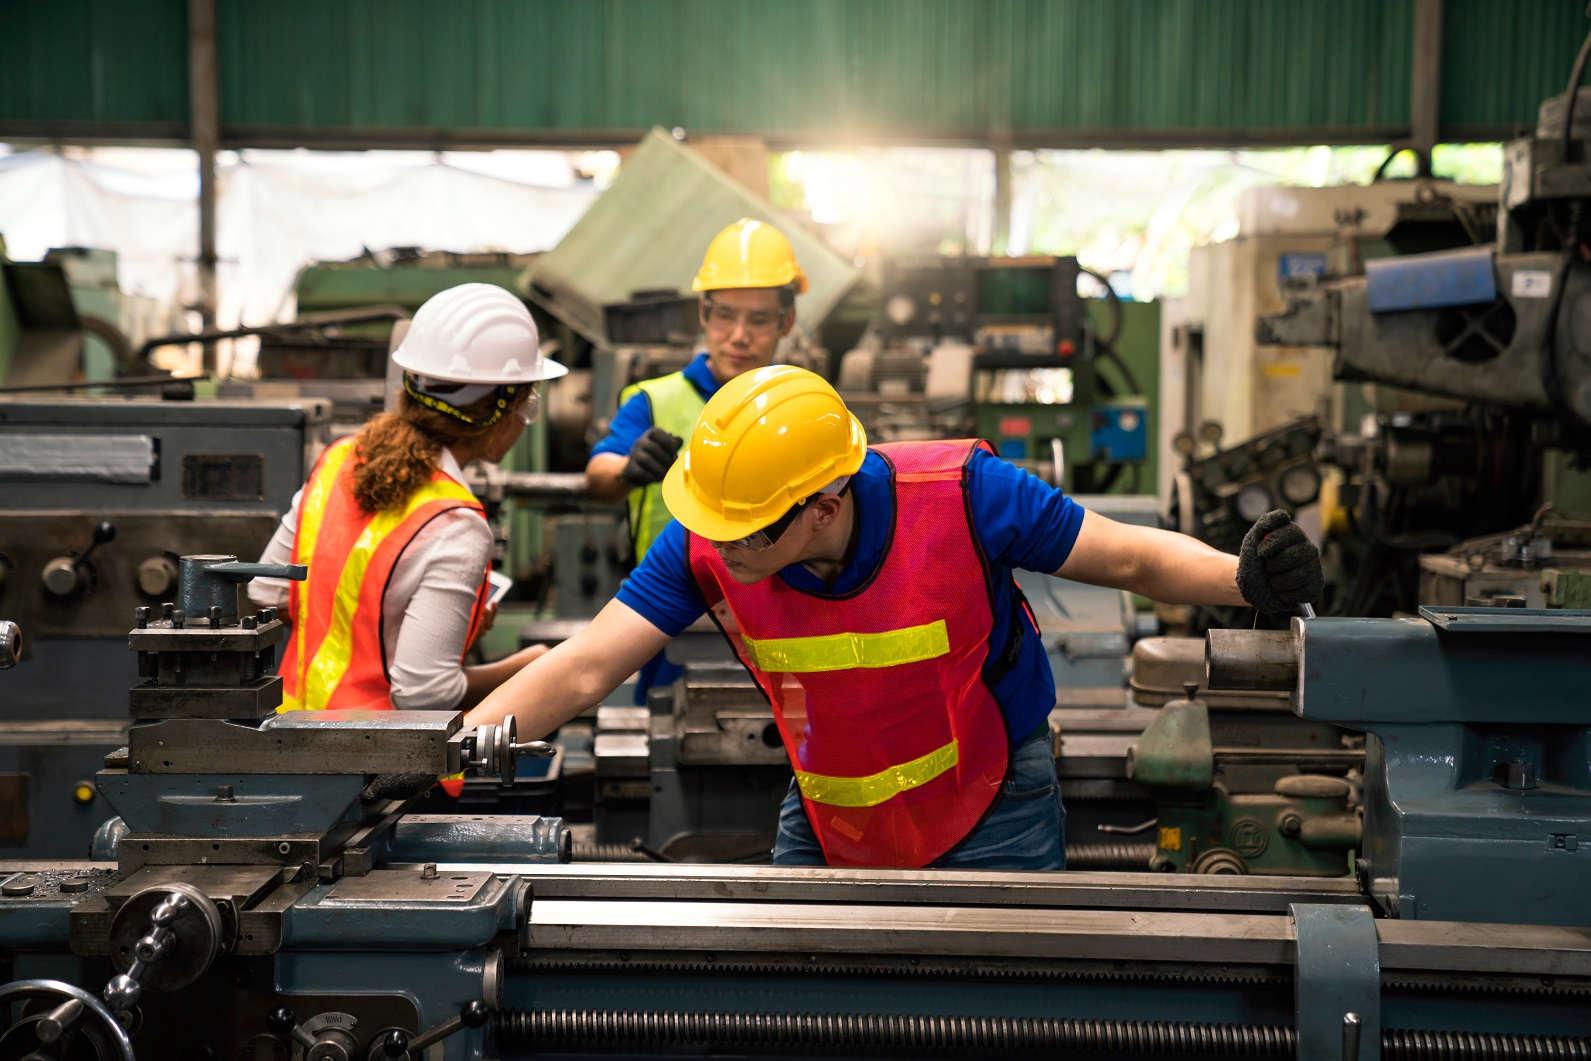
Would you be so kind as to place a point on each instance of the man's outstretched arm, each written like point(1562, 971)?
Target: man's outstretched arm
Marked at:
point(1162, 565)
point(574, 675)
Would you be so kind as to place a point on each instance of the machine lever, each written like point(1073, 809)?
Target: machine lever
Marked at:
point(239, 572)
point(282, 1022)
point(400, 1044)
point(125, 989)
point(1350, 1033)
point(536, 749)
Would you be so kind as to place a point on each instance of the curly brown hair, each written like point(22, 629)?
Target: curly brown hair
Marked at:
point(397, 452)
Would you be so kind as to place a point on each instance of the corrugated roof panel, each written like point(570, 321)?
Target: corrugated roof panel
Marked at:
point(94, 61)
point(1034, 71)
point(1500, 60)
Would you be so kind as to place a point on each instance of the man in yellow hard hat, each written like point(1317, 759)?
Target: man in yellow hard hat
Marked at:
point(749, 281)
point(869, 592)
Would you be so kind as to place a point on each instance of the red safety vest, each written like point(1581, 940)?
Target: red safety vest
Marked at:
point(334, 658)
point(898, 744)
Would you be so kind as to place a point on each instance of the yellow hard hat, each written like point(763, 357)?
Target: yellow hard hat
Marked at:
point(749, 254)
point(769, 438)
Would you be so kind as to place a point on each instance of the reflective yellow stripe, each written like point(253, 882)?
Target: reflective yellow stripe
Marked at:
point(332, 657)
point(876, 788)
point(796, 655)
point(311, 511)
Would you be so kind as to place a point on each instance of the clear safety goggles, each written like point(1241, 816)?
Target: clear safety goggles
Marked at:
point(760, 540)
point(528, 412)
point(723, 319)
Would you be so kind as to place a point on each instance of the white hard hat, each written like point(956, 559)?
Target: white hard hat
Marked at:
point(475, 333)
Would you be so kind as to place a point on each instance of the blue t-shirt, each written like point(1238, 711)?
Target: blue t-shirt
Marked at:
point(635, 415)
point(1019, 521)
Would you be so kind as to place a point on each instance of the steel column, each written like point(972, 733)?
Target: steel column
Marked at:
point(1425, 91)
point(204, 111)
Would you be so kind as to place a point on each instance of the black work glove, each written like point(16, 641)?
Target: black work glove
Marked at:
point(1278, 568)
point(396, 786)
point(651, 456)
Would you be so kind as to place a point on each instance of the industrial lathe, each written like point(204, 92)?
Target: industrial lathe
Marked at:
point(271, 887)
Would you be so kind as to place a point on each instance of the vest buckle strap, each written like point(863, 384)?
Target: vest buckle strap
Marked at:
point(876, 788)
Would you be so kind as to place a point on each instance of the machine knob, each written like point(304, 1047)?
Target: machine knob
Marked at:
point(10, 644)
point(157, 576)
point(394, 1044)
point(62, 577)
point(67, 575)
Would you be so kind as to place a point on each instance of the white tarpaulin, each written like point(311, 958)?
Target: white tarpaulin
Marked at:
point(277, 211)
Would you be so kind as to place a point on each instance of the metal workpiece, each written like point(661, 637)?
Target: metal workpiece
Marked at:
point(299, 742)
point(549, 491)
point(440, 838)
point(1252, 659)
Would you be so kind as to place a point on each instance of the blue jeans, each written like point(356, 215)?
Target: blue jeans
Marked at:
point(1022, 831)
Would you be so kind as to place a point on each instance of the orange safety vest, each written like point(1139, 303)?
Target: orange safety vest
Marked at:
point(335, 658)
point(899, 746)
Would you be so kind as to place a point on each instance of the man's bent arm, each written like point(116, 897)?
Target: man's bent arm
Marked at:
point(574, 675)
point(605, 479)
point(1162, 565)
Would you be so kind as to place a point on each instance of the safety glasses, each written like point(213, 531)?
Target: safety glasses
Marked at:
point(771, 533)
point(722, 319)
point(528, 412)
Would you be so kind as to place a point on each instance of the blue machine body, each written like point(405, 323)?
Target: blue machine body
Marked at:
point(1431, 281)
point(1482, 767)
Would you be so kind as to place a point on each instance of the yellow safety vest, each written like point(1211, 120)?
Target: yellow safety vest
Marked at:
point(676, 403)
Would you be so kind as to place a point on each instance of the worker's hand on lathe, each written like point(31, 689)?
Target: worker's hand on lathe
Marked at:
point(651, 456)
point(1278, 568)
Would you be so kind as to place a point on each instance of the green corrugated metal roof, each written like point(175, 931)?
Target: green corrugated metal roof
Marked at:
point(1036, 71)
point(66, 63)
point(649, 232)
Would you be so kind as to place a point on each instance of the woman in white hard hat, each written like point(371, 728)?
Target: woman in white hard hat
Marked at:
point(398, 548)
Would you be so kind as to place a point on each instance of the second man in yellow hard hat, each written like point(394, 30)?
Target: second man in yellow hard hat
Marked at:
point(749, 281)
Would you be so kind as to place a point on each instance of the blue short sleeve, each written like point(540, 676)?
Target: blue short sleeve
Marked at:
point(1021, 521)
point(660, 589)
point(628, 424)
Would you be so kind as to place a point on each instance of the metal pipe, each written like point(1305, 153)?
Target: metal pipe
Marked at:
point(1251, 659)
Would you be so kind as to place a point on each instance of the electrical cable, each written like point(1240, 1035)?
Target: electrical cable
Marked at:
point(1576, 73)
point(1118, 313)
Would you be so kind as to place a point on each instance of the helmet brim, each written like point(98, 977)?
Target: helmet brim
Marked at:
point(548, 369)
point(705, 522)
